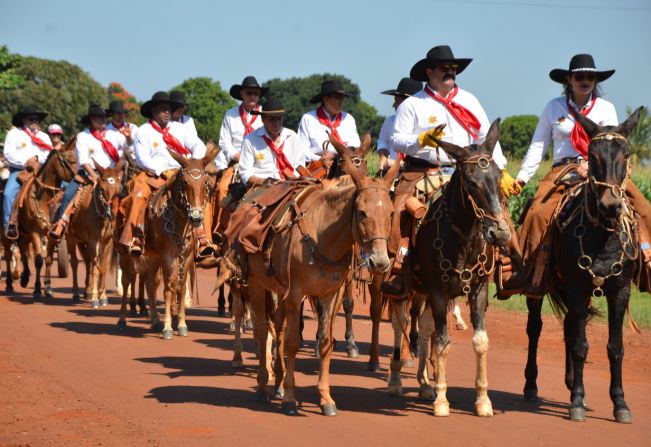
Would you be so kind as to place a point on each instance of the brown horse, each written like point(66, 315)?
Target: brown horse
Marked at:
point(312, 257)
point(174, 210)
point(34, 214)
point(91, 230)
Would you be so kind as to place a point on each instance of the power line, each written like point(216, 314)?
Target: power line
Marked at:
point(545, 5)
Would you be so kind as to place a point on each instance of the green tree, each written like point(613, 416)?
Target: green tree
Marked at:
point(206, 103)
point(516, 133)
point(295, 94)
point(116, 92)
point(61, 89)
point(9, 79)
point(640, 139)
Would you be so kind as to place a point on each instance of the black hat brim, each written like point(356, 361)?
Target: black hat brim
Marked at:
point(236, 91)
point(559, 75)
point(85, 120)
point(145, 109)
point(17, 119)
point(270, 113)
point(394, 92)
point(419, 70)
point(318, 98)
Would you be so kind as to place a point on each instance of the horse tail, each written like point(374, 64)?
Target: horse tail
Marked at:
point(560, 308)
point(631, 320)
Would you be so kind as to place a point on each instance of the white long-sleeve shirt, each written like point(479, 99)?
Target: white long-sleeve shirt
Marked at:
point(19, 147)
point(134, 133)
point(231, 134)
point(151, 150)
point(420, 112)
point(312, 133)
point(555, 125)
point(188, 122)
point(90, 148)
point(257, 159)
point(384, 139)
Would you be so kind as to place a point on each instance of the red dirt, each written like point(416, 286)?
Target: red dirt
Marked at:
point(68, 377)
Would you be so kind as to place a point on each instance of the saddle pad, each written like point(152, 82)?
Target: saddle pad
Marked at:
point(428, 185)
point(285, 215)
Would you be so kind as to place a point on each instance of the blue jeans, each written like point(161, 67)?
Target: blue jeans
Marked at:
point(9, 197)
point(68, 195)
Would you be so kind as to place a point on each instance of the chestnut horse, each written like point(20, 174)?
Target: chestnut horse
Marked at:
point(91, 229)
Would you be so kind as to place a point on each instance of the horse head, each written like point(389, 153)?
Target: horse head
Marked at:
point(66, 157)
point(373, 206)
point(479, 178)
point(608, 161)
point(109, 186)
point(192, 181)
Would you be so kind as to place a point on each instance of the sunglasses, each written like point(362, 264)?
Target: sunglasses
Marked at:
point(448, 67)
point(250, 92)
point(34, 118)
point(585, 77)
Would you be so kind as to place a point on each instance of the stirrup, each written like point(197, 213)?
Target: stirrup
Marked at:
point(11, 232)
point(56, 233)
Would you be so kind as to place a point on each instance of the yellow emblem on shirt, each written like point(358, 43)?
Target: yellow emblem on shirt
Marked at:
point(431, 119)
point(23, 144)
point(259, 155)
point(91, 150)
point(561, 119)
point(155, 144)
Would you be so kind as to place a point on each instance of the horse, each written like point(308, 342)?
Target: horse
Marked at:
point(34, 215)
point(91, 230)
point(453, 255)
point(594, 255)
point(313, 257)
point(174, 210)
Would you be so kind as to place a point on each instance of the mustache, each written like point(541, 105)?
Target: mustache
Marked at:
point(449, 76)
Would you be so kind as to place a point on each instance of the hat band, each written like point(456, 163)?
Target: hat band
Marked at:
point(584, 69)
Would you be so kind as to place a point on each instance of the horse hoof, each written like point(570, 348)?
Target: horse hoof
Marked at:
point(531, 395)
point(37, 295)
point(122, 325)
point(577, 414)
point(261, 396)
point(623, 416)
point(461, 326)
point(76, 299)
point(143, 312)
point(167, 334)
point(329, 409)
point(426, 394)
point(9, 289)
point(103, 302)
point(183, 331)
point(133, 312)
point(289, 408)
point(88, 296)
point(94, 304)
point(484, 409)
point(279, 393)
point(406, 363)
point(248, 325)
point(373, 365)
point(24, 281)
point(231, 326)
point(48, 295)
point(157, 327)
point(395, 390)
point(353, 352)
point(237, 363)
point(442, 409)
point(221, 313)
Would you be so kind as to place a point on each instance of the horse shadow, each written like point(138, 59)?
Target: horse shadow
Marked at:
point(87, 328)
point(28, 298)
point(198, 367)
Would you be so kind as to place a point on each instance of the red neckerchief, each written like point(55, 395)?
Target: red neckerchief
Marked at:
point(332, 125)
point(170, 139)
point(106, 144)
point(248, 125)
point(579, 137)
point(464, 116)
point(37, 141)
point(281, 160)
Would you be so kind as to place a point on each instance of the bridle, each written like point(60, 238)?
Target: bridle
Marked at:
point(617, 191)
point(356, 236)
point(196, 215)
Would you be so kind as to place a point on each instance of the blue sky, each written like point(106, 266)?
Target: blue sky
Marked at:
point(149, 46)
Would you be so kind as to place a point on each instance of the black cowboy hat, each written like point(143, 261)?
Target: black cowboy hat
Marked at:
point(329, 88)
point(439, 55)
point(93, 110)
point(17, 119)
point(271, 107)
point(115, 107)
point(157, 98)
point(406, 87)
point(178, 96)
point(248, 82)
point(580, 63)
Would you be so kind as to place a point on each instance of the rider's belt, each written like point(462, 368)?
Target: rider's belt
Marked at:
point(567, 161)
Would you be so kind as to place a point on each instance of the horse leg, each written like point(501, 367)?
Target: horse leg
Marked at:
point(118, 281)
point(170, 286)
point(74, 264)
point(330, 305)
point(185, 294)
point(238, 312)
point(616, 309)
point(479, 304)
point(376, 316)
point(426, 325)
point(125, 279)
point(93, 267)
point(534, 328)
point(23, 245)
point(414, 314)
point(577, 347)
point(280, 324)
point(399, 323)
point(406, 359)
point(319, 328)
point(38, 265)
point(106, 253)
point(349, 306)
point(149, 278)
point(49, 260)
point(256, 297)
point(221, 302)
point(458, 319)
point(439, 306)
point(141, 293)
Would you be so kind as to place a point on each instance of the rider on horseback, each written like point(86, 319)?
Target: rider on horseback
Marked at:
point(25, 148)
point(95, 146)
point(119, 123)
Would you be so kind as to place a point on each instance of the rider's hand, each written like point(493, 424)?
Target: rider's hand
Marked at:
point(582, 169)
point(426, 139)
point(507, 184)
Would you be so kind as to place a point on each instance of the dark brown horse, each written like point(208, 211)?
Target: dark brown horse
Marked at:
point(596, 249)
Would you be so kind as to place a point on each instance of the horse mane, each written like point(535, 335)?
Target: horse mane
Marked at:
point(45, 163)
point(335, 190)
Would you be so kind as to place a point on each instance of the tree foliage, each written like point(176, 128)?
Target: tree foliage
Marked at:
point(9, 79)
point(116, 92)
point(640, 139)
point(206, 103)
point(61, 89)
point(295, 94)
point(516, 133)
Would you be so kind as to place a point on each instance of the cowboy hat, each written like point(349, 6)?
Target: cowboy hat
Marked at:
point(157, 98)
point(271, 107)
point(17, 119)
point(580, 63)
point(438, 55)
point(248, 82)
point(93, 110)
point(406, 87)
point(115, 107)
point(329, 88)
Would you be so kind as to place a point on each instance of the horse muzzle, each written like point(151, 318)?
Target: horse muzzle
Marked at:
point(377, 258)
point(497, 232)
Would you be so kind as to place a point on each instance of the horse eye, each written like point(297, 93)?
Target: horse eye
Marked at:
point(362, 214)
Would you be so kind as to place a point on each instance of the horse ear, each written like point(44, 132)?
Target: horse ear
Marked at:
point(347, 163)
point(454, 151)
point(120, 165)
point(98, 168)
point(492, 136)
point(631, 122)
point(590, 127)
point(391, 174)
point(364, 146)
point(211, 152)
point(180, 159)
